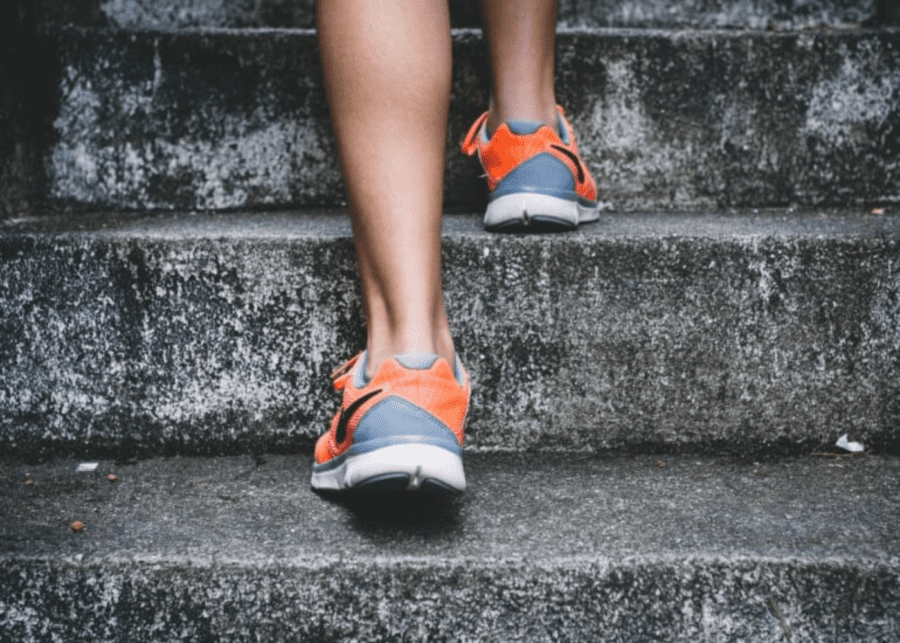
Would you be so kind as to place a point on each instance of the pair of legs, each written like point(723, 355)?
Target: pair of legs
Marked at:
point(387, 67)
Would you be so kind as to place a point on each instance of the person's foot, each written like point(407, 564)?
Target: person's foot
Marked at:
point(401, 429)
point(536, 178)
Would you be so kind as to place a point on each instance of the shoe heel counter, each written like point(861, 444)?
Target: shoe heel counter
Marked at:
point(395, 420)
point(543, 173)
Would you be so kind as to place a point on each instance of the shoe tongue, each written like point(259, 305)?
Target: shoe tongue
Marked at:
point(418, 361)
point(360, 379)
point(523, 128)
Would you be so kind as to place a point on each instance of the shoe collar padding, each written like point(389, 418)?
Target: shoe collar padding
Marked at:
point(355, 368)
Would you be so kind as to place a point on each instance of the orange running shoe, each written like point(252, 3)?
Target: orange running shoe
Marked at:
point(536, 178)
point(402, 429)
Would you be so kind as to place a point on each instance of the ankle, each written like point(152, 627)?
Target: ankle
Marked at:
point(496, 117)
point(381, 349)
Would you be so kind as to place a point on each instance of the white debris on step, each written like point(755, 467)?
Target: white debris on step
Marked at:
point(846, 445)
point(87, 466)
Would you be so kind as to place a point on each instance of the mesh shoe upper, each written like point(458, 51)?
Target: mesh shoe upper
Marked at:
point(398, 403)
point(507, 151)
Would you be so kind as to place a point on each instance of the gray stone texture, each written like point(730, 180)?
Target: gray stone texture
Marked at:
point(548, 548)
point(223, 120)
point(741, 333)
point(738, 14)
point(215, 121)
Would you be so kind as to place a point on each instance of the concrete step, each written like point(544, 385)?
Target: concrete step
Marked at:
point(667, 119)
point(549, 548)
point(739, 14)
point(744, 332)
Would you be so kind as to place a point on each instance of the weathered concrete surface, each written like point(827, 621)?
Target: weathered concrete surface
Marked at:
point(686, 120)
point(213, 121)
point(550, 548)
point(673, 120)
point(204, 334)
point(735, 14)
point(752, 14)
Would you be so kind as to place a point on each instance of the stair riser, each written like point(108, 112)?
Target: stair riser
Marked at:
point(666, 120)
point(742, 344)
point(615, 601)
point(753, 14)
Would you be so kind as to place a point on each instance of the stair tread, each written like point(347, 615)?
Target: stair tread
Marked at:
point(777, 223)
point(545, 547)
point(537, 509)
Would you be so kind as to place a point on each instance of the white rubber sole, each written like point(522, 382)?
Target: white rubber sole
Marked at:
point(523, 209)
point(422, 463)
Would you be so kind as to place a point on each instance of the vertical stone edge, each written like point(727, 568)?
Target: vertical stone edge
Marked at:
point(28, 99)
point(18, 20)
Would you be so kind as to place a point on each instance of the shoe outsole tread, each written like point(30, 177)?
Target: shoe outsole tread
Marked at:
point(407, 467)
point(530, 225)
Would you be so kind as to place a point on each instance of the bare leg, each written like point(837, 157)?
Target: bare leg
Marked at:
point(521, 38)
point(387, 64)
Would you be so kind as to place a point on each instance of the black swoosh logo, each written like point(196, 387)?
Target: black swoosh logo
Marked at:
point(575, 160)
point(346, 414)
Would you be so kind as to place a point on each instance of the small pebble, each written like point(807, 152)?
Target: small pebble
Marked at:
point(29, 483)
point(77, 526)
point(112, 477)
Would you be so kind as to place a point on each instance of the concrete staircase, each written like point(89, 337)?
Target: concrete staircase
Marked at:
point(656, 399)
